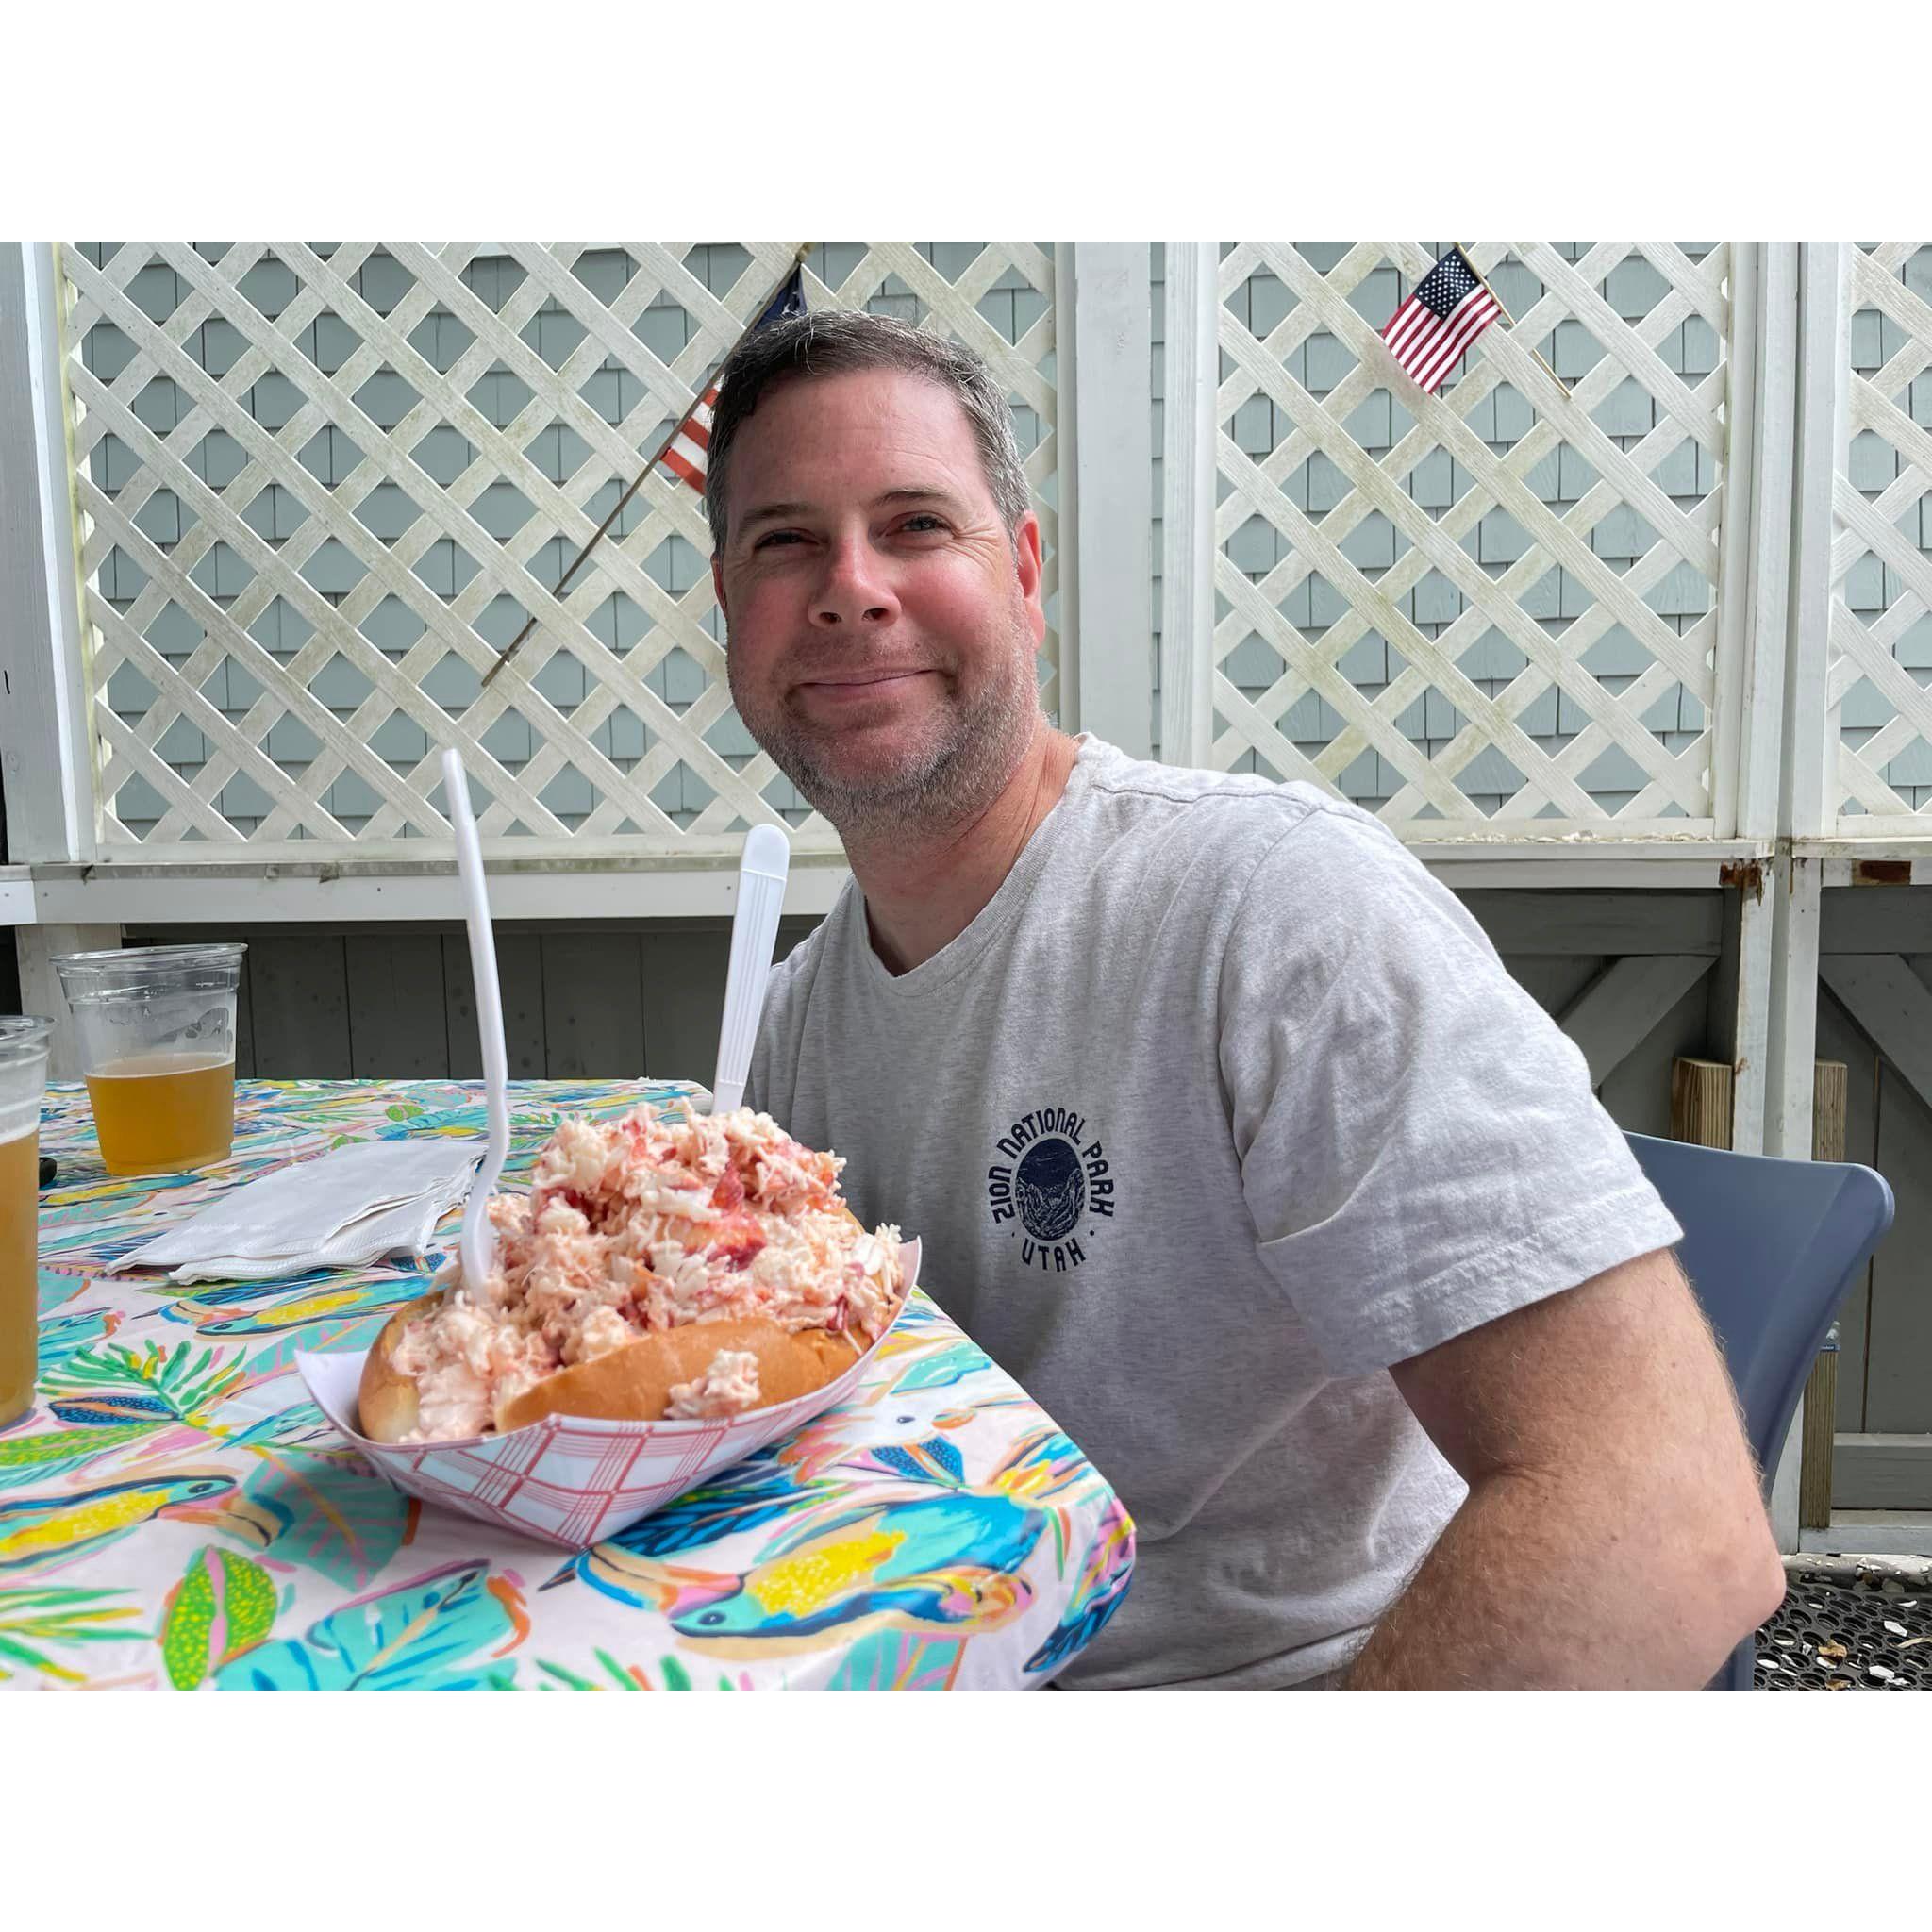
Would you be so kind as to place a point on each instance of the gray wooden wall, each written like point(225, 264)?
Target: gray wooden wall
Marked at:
point(1885, 1349)
point(592, 999)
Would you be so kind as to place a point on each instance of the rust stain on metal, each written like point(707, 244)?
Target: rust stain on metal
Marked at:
point(1882, 872)
point(1747, 875)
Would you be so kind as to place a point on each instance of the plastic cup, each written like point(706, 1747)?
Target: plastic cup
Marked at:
point(156, 1037)
point(23, 1086)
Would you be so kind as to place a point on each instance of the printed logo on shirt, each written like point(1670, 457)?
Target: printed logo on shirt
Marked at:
point(1051, 1188)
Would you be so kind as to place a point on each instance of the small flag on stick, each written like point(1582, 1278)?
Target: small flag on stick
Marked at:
point(693, 436)
point(1451, 306)
point(686, 454)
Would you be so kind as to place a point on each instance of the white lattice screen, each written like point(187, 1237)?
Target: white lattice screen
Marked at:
point(1493, 605)
point(322, 484)
point(1881, 563)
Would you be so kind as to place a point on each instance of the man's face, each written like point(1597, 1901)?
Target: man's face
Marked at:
point(883, 627)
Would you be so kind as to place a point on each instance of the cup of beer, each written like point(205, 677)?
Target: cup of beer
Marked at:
point(156, 1037)
point(23, 1085)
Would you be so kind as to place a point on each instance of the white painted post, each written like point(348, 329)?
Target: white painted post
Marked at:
point(1104, 351)
point(1190, 429)
point(1753, 607)
point(1810, 746)
point(1746, 455)
point(44, 722)
point(1822, 448)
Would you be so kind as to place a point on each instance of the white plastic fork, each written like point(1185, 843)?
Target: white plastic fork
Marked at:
point(478, 1246)
point(754, 934)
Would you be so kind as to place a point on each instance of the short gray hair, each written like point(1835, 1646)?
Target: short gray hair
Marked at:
point(841, 342)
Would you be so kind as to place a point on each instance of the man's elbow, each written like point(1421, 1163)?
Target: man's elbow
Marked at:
point(1759, 1579)
point(1742, 1577)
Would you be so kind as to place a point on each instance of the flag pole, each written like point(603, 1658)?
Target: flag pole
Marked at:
point(515, 645)
point(1506, 316)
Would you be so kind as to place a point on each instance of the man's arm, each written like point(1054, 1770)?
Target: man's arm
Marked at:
point(1614, 1534)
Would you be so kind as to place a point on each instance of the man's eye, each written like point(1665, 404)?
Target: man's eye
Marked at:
point(774, 536)
point(920, 524)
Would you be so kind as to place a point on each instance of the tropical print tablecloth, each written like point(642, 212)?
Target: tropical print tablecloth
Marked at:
point(175, 1511)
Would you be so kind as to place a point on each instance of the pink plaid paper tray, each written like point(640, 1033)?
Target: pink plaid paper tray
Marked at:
point(572, 1480)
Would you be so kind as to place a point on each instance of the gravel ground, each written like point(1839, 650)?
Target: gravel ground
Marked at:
point(1848, 1627)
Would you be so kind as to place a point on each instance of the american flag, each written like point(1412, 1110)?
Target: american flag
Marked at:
point(1451, 306)
point(686, 454)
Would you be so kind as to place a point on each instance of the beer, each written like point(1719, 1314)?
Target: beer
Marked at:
point(20, 1204)
point(163, 1113)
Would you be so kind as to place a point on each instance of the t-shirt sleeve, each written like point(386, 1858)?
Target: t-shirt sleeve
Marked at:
point(1421, 1149)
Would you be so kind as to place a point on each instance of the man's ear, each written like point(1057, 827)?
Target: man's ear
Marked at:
point(718, 587)
point(1030, 570)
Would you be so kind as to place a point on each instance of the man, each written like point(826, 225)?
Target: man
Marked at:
point(1227, 1133)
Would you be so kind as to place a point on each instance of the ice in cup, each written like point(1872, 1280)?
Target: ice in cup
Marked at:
point(156, 1037)
point(23, 1085)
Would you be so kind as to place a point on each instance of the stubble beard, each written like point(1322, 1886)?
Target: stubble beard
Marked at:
point(973, 750)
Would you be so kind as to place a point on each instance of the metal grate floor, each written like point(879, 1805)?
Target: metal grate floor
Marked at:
point(1838, 1632)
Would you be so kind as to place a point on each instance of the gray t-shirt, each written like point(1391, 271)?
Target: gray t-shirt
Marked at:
point(1220, 1107)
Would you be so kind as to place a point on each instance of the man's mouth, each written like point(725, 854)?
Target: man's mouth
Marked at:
point(841, 686)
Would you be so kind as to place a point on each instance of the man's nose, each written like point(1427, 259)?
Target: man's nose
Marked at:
point(853, 593)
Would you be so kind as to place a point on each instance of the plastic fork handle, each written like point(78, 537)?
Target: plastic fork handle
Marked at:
point(761, 875)
point(478, 1246)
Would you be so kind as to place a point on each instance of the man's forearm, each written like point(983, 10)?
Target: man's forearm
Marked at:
point(1539, 1583)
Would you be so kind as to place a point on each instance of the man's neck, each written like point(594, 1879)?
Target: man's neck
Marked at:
point(924, 887)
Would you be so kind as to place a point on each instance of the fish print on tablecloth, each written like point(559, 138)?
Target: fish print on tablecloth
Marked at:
point(944, 1557)
point(57, 1528)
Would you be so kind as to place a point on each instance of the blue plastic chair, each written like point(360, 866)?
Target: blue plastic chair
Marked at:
point(1772, 1247)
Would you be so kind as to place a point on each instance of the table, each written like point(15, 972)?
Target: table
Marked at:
point(175, 1511)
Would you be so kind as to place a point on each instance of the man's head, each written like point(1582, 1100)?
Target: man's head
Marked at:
point(878, 567)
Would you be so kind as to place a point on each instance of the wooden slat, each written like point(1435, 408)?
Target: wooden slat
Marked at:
point(593, 1010)
point(1898, 1377)
point(520, 981)
point(684, 974)
point(1701, 1095)
point(1626, 1004)
point(1829, 1104)
point(1882, 1471)
point(1893, 1004)
point(245, 1022)
point(1885, 919)
point(1610, 924)
point(301, 1008)
point(1828, 1108)
point(1553, 981)
point(1840, 1039)
point(399, 1013)
point(1636, 1092)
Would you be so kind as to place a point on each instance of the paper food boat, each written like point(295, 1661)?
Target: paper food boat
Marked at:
point(574, 1481)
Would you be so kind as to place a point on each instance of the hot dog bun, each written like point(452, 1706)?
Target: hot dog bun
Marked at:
point(387, 1398)
point(634, 1383)
point(630, 1384)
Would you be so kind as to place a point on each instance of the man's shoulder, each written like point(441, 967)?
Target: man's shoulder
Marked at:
point(1238, 815)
